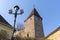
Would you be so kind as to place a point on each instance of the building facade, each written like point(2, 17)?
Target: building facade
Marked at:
point(4, 25)
point(33, 25)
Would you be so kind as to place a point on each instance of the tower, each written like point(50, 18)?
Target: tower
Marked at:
point(33, 25)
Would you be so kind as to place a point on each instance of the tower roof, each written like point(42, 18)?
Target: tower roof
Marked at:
point(2, 20)
point(34, 12)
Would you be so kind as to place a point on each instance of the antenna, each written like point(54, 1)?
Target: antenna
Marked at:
point(33, 5)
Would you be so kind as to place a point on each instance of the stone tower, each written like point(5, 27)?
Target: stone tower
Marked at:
point(33, 25)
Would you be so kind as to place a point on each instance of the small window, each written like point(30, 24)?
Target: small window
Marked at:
point(27, 34)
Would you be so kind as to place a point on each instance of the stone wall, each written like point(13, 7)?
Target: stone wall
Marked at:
point(7, 29)
point(38, 27)
point(29, 27)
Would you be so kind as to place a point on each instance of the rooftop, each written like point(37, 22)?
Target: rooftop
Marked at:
point(34, 12)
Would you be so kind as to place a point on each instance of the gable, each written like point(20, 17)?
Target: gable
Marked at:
point(2, 20)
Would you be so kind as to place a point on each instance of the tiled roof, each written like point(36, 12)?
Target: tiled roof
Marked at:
point(2, 20)
point(34, 12)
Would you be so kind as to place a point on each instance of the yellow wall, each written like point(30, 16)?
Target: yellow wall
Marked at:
point(55, 36)
point(6, 28)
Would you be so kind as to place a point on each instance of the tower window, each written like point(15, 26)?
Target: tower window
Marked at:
point(27, 34)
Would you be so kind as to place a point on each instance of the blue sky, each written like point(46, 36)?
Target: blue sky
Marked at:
point(48, 9)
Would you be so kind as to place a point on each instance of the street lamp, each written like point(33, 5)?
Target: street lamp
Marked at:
point(16, 8)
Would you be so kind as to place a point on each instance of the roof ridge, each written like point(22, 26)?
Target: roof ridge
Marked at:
point(3, 20)
point(53, 31)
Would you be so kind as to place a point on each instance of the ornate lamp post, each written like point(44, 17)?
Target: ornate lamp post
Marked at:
point(16, 8)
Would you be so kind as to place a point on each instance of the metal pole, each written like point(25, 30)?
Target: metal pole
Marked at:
point(15, 21)
point(15, 16)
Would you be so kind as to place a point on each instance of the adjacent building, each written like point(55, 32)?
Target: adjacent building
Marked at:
point(55, 35)
point(4, 25)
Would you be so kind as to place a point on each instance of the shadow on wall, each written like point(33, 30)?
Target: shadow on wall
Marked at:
point(3, 35)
